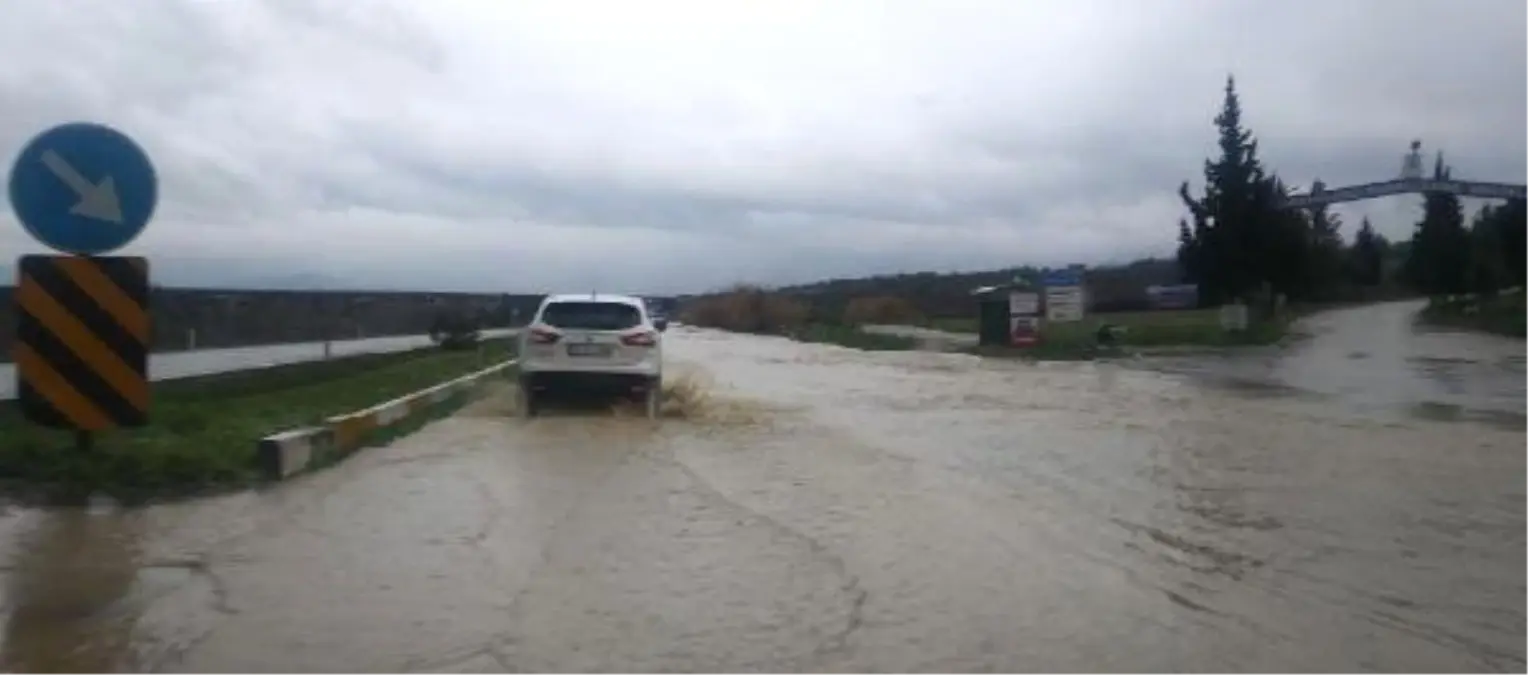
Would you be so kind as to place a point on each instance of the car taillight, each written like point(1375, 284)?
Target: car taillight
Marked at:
point(642, 339)
point(542, 336)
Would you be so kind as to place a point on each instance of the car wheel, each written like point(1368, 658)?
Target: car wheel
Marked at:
point(654, 399)
point(528, 403)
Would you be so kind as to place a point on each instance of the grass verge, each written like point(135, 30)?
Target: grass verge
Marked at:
point(202, 432)
point(1163, 330)
point(749, 309)
point(1501, 315)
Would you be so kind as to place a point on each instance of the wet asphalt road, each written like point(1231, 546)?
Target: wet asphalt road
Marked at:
point(817, 508)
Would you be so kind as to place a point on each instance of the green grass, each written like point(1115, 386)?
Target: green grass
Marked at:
point(202, 431)
point(1502, 315)
point(1142, 330)
point(851, 336)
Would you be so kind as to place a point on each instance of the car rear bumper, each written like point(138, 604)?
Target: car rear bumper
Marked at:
point(589, 381)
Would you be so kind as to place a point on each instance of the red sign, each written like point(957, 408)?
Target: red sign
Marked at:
point(1023, 331)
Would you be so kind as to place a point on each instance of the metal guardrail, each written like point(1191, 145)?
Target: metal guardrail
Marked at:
point(183, 364)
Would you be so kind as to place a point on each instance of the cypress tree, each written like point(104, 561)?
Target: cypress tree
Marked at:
point(1367, 259)
point(1439, 260)
point(1236, 220)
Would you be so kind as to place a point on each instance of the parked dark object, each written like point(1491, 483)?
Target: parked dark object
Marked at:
point(453, 331)
point(1108, 335)
point(993, 328)
point(994, 318)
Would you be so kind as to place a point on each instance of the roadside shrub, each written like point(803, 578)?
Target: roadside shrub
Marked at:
point(454, 330)
point(746, 309)
point(883, 309)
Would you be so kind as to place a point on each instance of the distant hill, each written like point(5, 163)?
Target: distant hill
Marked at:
point(182, 273)
point(1110, 288)
point(290, 282)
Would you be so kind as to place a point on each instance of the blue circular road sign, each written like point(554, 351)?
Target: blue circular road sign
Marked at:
point(83, 188)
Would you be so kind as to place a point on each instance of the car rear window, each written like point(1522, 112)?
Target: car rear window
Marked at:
point(591, 315)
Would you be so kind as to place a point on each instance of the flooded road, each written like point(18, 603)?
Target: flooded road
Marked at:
point(815, 508)
point(1374, 361)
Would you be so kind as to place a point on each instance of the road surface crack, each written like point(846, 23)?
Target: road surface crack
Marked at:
point(457, 657)
point(201, 567)
point(856, 595)
point(839, 641)
point(545, 559)
point(495, 514)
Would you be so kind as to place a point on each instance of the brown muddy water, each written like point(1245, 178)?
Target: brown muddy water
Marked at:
point(806, 507)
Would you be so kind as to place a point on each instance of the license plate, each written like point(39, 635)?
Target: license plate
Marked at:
point(588, 350)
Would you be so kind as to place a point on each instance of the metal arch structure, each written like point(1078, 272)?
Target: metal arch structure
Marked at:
point(1319, 196)
point(1409, 183)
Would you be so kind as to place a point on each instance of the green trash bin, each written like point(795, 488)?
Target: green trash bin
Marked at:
point(993, 329)
point(992, 321)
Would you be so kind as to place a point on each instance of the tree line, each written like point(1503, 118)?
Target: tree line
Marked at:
point(933, 295)
point(1239, 244)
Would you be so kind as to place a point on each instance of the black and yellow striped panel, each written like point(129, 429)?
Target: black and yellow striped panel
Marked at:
point(82, 341)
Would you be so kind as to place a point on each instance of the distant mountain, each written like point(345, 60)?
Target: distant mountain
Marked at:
point(1110, 287)
point(197, 274)
point(236, 274)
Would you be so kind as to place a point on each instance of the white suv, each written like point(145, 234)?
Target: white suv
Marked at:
point(604, 343)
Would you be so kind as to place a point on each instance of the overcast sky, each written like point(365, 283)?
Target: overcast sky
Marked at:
point(670, 146)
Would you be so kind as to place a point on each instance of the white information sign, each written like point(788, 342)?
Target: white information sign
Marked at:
point(1064, 303)
point(1022, 303)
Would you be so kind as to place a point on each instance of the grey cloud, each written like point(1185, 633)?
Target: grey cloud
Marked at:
point(462, 144)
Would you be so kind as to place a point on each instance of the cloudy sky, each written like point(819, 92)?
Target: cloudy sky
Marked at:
point(509, 145)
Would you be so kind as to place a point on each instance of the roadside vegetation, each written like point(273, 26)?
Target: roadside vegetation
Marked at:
point(1236, 245)
point(1502, 314)
point(1240, 248)
point(1136, 332)
point(1473, 273)
point(203, 430)
point(752, 309)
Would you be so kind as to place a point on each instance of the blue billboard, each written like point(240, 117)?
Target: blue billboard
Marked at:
point(1070, 276)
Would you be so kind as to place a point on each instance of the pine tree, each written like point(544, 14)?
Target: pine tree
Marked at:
point(1487, 265)
point(1235, 220)
point(1188, 253)
point(1285, 242)
point(1367, 257)
point(1500, 235)
point(1324, 252)
point(1439, 263)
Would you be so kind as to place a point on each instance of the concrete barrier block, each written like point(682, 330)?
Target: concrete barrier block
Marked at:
point(393, 412)
point(348, 429)
point(284, 454)
point(438, 395)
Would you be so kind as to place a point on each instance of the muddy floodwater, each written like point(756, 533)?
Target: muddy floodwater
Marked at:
point(1373, 362)
point(807, 507)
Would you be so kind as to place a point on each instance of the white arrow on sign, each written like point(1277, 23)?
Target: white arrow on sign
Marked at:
point(97, 200)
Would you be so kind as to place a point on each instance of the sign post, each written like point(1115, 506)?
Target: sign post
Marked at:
point(1023, 318)
point(83, 326)
point(1065, 298)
